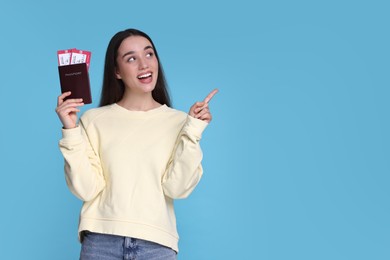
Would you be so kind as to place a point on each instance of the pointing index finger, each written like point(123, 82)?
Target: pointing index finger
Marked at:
point(210, 96)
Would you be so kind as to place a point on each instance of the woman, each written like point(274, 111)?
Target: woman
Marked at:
point(130, 158)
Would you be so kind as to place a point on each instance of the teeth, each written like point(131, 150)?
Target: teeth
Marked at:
point(145, 75)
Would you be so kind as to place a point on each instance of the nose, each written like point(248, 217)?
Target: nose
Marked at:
point(143, 64)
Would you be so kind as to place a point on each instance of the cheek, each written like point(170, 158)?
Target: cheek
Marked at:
point(155, 76)
point(155, 63)
point(120, 70)
point(128, 71)
point(156, 68)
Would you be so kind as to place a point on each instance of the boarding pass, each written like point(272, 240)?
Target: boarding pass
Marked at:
point(73, 56)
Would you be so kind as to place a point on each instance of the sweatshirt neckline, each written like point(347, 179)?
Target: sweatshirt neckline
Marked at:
point(136, 113)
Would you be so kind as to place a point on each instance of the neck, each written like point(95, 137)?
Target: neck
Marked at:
point(138, 101)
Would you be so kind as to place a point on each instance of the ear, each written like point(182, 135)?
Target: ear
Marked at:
point(117, 74)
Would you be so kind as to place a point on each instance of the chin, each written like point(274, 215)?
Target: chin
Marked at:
point(148, 89)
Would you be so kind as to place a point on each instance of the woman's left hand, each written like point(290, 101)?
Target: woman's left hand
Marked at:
point(200, 110)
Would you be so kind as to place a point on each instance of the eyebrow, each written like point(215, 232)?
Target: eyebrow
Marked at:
point(132, 52)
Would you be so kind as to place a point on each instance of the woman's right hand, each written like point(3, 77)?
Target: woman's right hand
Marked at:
point(67, 110)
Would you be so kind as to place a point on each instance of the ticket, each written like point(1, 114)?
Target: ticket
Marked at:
point(80, 56)
point(73, 56)
point(64, 57)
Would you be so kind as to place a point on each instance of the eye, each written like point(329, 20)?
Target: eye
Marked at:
point(150, 54)
point(130, 59)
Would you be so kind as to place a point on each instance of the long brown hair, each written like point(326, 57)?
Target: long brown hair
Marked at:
point(113, 88)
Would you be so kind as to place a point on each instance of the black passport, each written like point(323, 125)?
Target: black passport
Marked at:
point(75, 78)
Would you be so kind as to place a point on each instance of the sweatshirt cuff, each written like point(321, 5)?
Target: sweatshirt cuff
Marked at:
point(195, 127)
point(72, 133)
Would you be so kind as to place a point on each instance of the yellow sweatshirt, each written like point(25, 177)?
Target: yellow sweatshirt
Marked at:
point(128, 166)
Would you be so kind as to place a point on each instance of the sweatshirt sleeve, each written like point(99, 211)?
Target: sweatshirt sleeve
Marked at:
point(83, 171)
point(184, 168)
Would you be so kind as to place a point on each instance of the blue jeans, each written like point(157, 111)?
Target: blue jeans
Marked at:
point(97, 246)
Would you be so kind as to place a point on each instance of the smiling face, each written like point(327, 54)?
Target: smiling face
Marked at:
point(137, 64)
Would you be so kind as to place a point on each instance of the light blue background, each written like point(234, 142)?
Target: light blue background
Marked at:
point(296, 158)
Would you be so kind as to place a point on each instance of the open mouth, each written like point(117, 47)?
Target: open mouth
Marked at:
point(145, 76)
